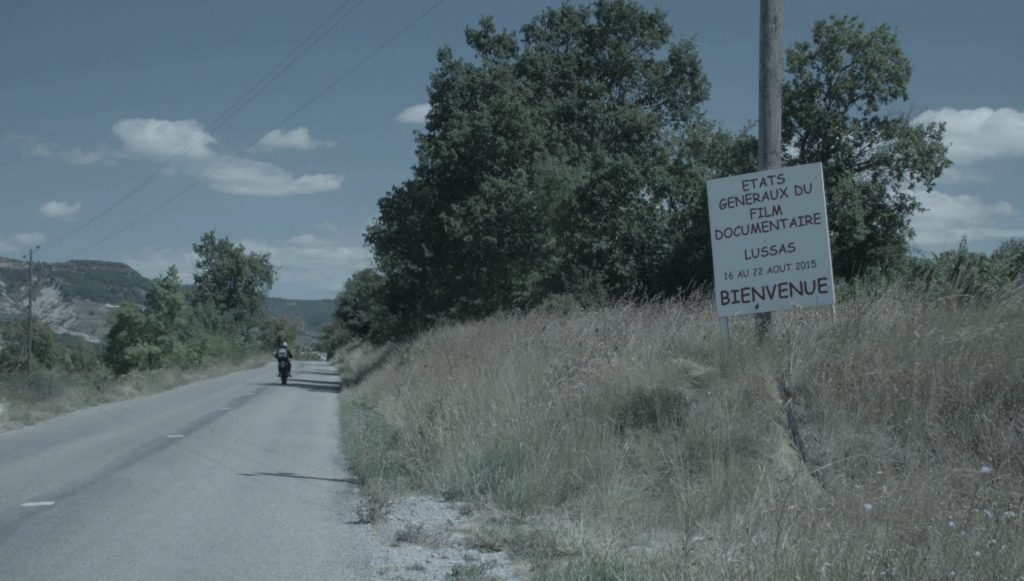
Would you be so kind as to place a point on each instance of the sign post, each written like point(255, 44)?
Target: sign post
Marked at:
point(769, 106)
point(769, 241)
point(28, 359)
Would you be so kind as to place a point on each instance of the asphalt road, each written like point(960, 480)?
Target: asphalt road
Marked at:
point(237, 477)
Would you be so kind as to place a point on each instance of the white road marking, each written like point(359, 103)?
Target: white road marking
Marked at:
point(41, 503)
point(224, 409)
point(175, 435)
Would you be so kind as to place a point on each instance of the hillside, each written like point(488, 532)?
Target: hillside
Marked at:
point(93, 280)
point(315, 313)
point(74, 297)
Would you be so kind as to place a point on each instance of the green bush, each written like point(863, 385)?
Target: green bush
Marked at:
point(14, 338)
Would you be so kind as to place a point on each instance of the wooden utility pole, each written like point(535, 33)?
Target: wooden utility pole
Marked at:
point(28, 359)
point(769, 118)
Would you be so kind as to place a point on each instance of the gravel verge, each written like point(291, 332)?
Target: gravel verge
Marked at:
point(427, 539)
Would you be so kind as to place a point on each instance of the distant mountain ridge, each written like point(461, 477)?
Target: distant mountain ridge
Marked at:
point(74, 297)
point(316, 312)
point(95, 280)
point(78, 296)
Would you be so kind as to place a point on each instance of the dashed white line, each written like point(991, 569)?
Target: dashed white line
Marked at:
point(40, 503)
point(224, 409)
point(175, 435)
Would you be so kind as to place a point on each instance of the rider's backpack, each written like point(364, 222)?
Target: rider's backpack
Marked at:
point(282, 353)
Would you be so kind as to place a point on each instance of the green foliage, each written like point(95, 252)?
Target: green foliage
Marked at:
point(966, 274)
point(962, 272)
point(331, 337)
point(360, 312)
point(958, 274)
point(841, 85)
point(560, 160)
point(1009, 261)
point(14, 338)
point(148, 339)
point(276, 330)
point(81, 357)
point(170, 332)
point(127, 330)
point(232, 281)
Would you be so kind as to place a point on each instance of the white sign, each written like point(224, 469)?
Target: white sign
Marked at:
point(769, 241)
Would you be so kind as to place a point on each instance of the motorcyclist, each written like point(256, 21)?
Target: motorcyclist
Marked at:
point(285, 354)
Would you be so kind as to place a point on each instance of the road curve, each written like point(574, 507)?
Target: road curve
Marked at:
point(237, 477)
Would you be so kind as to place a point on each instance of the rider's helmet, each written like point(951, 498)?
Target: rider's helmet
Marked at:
point(284, 343)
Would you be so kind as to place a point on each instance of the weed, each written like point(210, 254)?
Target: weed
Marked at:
point(372, 508)
point(628, 443)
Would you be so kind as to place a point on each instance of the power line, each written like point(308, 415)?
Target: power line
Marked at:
point(297, 52)
point(287, 118)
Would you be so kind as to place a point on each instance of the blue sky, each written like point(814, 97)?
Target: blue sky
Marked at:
point(96, 96)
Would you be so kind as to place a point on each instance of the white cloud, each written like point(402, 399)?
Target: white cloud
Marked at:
point(29, 238)
point(258, 178)
point(33, 146)
point(416, 115)
point(298, 138)
point(980, 134)
point(951, 217)
point(40, 150)
point(313, 265)
point(303, 240)
point(965, 174)
point(28, 144)
point(57, 209)
point(160, 140)
point(79, 156)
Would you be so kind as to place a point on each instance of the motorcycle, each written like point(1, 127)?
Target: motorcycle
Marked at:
point(283, 369)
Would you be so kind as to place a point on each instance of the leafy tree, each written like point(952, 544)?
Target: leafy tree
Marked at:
point(357, 307)
point(128, 330)
point(558, 161)
point(230, 280)
point(708, 152)
point(147, 339)
point(362, 313)
point(281, 328)
point(331, 337)
point(837, 104)
point(14, 338)
point(167, 311)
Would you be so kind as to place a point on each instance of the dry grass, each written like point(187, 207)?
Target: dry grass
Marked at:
point(51, 393)
point(629, 443)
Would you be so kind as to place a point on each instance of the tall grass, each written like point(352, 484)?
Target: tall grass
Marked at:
point(630, 443)
point(25, 399)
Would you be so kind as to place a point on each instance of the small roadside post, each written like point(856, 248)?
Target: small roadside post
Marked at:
point(28, 358)
point(769, 109)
